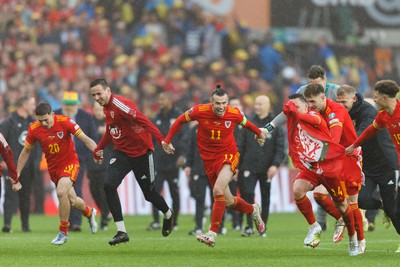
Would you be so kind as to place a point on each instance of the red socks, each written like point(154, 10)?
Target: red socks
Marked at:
point(358, 221)
point(87, 212)
point(305, 207)
point(64, 227)
point(327, 204)
point(218, 210)
point(242, 206)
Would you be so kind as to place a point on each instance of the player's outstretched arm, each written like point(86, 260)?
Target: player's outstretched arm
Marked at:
point(87, 141)
point(22, 159)
point(279, 120)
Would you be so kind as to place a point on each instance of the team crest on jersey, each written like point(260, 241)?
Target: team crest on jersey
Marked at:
point(112, 114)
point(228, 124)
point(331, 115)
point(60, 135)
point(115, 132)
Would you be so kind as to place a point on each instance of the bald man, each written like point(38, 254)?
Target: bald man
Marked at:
point(251, 168)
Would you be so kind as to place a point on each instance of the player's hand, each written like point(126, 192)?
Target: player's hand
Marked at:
point(16, 186)
point(98, 156)
point(349, 150)
point(262, 136)
point(168, 148)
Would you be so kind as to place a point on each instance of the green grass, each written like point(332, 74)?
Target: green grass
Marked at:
point(282, 247)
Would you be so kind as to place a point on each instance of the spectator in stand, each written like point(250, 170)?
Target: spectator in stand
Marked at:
point(271, 59)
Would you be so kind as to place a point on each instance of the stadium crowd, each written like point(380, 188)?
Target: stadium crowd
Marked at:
point(145, 47)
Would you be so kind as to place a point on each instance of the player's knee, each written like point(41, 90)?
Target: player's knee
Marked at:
point(298, 194)
point(217, 191)
point(61, 193)
point(149, 196)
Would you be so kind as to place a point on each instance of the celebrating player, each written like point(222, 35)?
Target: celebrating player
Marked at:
point(53, 132)
point(218, 150)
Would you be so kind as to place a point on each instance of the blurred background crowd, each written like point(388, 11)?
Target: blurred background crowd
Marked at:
point(145, 47)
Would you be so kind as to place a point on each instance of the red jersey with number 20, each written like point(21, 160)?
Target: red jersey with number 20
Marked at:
point(392, 123)
point(215, 134)
point(56, 143)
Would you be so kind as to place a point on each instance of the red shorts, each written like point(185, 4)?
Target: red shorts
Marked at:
point(353, 175)
point(71, 171)
point(336, 188)
point(352, 188)
point(213, 167)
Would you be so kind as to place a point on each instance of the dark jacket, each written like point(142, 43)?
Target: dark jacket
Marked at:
point(258, 159)
point(15, 130)
point(193, 159)
point(379, 153)
point(163, 121)
point(86, 122)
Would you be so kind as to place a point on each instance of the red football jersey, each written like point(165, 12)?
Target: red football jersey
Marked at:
point(392, 123)
point(56, 143)
point(215, 134)
point(311, 144)
point(8, 157)
point(312, 148)
point(129, 129)
point(336, 115)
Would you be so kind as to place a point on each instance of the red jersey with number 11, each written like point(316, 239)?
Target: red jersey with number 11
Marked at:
point(215, 133)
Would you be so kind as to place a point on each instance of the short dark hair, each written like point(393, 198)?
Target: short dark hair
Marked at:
point(313, 89)
point(101, 81)
point(298, 96)
point(316, 71)
point(345, 89)
point(234, 98)
point(387, 87)
point(42, 109)
point(21, 101)
point(218, 91)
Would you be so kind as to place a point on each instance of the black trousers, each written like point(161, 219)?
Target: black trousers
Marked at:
point(75, 216)
point(247, 185)
point(143, 169)
point(386, 182)
point(96, 185)
point(198, 185)
point(172, 178)
point(21, 199)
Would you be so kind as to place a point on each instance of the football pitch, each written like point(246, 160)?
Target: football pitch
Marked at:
point(283, 246)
